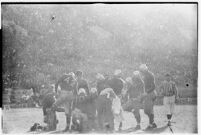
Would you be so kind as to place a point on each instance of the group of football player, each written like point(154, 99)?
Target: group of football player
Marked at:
point(100, 108)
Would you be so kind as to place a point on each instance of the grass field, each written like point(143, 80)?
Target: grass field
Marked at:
point(20, 120)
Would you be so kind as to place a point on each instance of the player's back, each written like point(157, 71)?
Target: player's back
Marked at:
point(117, 84)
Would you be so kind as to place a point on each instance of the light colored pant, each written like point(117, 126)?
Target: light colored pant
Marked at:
point(169, 104)
point(117, 111)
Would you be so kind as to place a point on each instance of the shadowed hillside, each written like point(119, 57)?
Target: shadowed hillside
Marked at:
point(41, 42)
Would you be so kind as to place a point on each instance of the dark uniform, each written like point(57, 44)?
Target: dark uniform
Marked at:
point(67, 95)
point(101, 85)
point(86, 104)
point(134, 103)
point(105, 114)
point(149, 84)
point(117, 84)
point(104, 107)
point(47, 102)
point(82, 83)
point(49, 115)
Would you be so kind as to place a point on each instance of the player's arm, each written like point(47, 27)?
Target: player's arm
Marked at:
point(75, 87)
point(87, 86)
point(142, 87)
point(160, 92)
point(59, 81)
point(44, 110)
point(142, 91)
point(57, 84)
point(153, 86)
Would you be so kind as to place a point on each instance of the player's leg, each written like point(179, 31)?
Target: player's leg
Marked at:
point(148, 110)
point(172, 106)
point(100, 105)
point(136, 111)
point(108, 114)
point(52, 120)
point(68, 115)
point(91, 114)
point(167, 105)
point(129, 107)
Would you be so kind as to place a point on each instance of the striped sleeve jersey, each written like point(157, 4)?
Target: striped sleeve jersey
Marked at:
point(169, 88)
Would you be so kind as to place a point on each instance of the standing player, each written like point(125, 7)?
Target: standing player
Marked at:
point(170, 93)
point(100, 83)
point(135, 88)
point(82, 83)
point(149, 95)
point(104, 105)
point(117, 84)
point(66, 95)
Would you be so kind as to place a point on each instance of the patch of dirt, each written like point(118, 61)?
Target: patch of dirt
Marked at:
point(20, 120)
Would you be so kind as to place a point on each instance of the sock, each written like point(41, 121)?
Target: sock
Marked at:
point(169, 116)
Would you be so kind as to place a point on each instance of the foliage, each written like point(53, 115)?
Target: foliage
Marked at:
point(41, 42)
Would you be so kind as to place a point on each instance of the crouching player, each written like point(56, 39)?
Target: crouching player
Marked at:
point(104, 109)
point(169, 90)
point(79, 121)
point(109, 110)
point(84, 114)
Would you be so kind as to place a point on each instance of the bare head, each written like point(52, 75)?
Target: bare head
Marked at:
point(143, 68)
